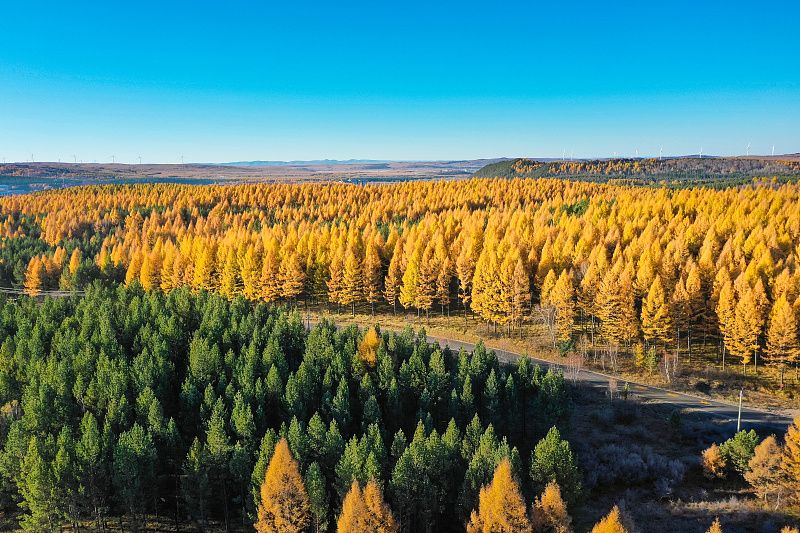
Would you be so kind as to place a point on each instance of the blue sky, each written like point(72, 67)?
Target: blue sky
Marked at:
point(227, 81)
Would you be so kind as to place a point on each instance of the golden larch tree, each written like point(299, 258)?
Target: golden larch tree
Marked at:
point(550, 512)
point(716, 527)
point(765, 468)
point(501, 507)
point(563, 299)
point(746, 327)
point(292, 276)
point(35, 276)
point(713, 462)
point(372, 270)
point(783, 348)
point(520, 292)
point(656, 318)
point(368, 347)
point(611, 523)
point(74, 261)
point(394, 277)
point(366, 511)
point(790, 461)
point(284, 507)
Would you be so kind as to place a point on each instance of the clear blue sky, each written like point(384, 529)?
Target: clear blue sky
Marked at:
point(228, 81)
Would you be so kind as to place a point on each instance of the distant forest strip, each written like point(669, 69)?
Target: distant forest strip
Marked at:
point(673, 172)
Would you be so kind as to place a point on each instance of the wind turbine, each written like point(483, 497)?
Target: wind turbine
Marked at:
point(637, 153)
point(140, 160)
point(748, 150)
point(113, 159)
point(660, 151)
point(74, 159)
point(773, 150)
point(701, 152)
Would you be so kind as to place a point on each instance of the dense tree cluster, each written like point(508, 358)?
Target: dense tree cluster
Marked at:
point(772, 468)
point(125, 402)
point(681, 172)
point(634, 270)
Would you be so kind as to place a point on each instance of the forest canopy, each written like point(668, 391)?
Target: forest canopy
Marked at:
point(126, 402)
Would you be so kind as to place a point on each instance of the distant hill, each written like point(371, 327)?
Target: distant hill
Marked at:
point(673, 170)
point(301, 163)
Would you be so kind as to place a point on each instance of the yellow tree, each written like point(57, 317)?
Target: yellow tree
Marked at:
point(765, 474)
point(284, 507)
point(501, 507)
point(74, 261)
point(443, 281)
point(782, 344)
point(135, 265)
point(790, 461)
point(746, 327)
point(270, 273)
point(292, 276)
point(713, 462)
point(372, 275)
point(726, 313)
point(251, 271)
point(656, 319)
point(611, 523)
point(466, 262)
point(408, 289)
point(695, 305)
point(336, 275)
point(615, 307)
point(716, 527)
point(550, 512)
point(352, 290)
point(150, 273)
point(230, 282)
point(368, 348)
point(520, 292)
point(426, 280)
point(394, 277)
point(562, 298)
point(379, 516)
point(366, 510)
point(34, 276)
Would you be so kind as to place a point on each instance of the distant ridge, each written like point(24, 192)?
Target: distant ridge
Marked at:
point(302, 162)
point(680, 170)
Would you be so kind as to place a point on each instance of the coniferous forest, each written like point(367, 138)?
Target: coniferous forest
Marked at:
point(159, 367)
point(126, 403)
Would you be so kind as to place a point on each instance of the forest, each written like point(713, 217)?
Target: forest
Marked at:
point(162, 363)
point(122, 403)
point(638, 275)
point(674, 172)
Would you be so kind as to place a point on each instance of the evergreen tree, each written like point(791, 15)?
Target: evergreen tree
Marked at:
point(38, 490)
point(552, 460)
point(134, 470)
point(317, 497)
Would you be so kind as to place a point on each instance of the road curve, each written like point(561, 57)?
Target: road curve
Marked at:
point(723, 413)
